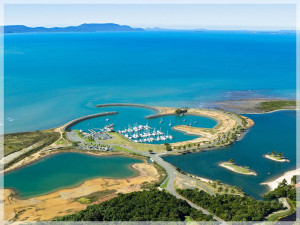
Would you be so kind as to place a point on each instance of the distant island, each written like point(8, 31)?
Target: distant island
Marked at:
point(86, 27)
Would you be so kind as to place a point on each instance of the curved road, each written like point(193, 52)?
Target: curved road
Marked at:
point(171, 173)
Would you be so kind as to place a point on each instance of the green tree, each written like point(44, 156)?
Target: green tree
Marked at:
point(294, 179)
point(232, 207)
point(231, 160)
point(273, 152)
point(280, 154)
point(168, 147)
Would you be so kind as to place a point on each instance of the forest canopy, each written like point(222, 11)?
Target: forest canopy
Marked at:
point(153, 205)
point(232, 207)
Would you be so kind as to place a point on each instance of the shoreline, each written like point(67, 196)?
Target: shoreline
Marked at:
point(63, 201)
point(51, 152)
point(268, 112)
point(132, 166)
point(287, 176)
point(249, 106)
point(157, 109)
point(276, 160)
point(226, 122)
point(233, 170)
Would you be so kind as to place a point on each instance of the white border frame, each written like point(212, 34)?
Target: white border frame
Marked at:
point(240, 2)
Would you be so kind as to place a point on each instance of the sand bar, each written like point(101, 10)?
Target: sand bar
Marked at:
point(277, 160)
point(287, 176)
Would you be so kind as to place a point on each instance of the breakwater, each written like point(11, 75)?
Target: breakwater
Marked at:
point(73, 122)
point(130, 105)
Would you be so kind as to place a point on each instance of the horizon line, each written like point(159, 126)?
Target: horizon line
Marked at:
point(248, 28)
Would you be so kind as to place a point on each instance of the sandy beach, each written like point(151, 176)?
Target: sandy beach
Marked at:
point(287, 176)
point(225, 124)
point(277, 160)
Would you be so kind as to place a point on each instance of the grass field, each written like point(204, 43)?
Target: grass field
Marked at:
point(118, 148)
point(17, 141)
point(275, 105)
point(62, 142)
point(120, 140)
point(165, 184)
point(93, 197)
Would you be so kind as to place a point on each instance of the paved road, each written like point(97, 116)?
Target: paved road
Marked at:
point(171, 173)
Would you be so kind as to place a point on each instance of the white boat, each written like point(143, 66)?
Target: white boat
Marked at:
point(107, 119)
point(161, 121)
point(170, 124)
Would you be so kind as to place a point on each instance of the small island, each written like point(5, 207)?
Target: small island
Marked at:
point(278, 158)
point(230, 165)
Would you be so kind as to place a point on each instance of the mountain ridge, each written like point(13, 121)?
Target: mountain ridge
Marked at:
point(85, 27)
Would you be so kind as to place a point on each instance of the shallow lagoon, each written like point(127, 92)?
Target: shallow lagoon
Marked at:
point(274, 131)
point(65, 170)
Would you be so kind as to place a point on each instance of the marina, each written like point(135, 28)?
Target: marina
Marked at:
point(131, 123)
point(144, 134)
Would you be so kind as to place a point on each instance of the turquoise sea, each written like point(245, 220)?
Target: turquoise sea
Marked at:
point(53, 78)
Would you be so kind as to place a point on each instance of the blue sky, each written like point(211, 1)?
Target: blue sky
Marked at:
point(252, 16)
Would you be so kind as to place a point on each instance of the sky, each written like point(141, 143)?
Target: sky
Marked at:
point(221, 17)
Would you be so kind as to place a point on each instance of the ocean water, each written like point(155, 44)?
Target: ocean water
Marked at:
point(53, 78)
point(50, 176)
point(133, 116)
point(274, 131)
